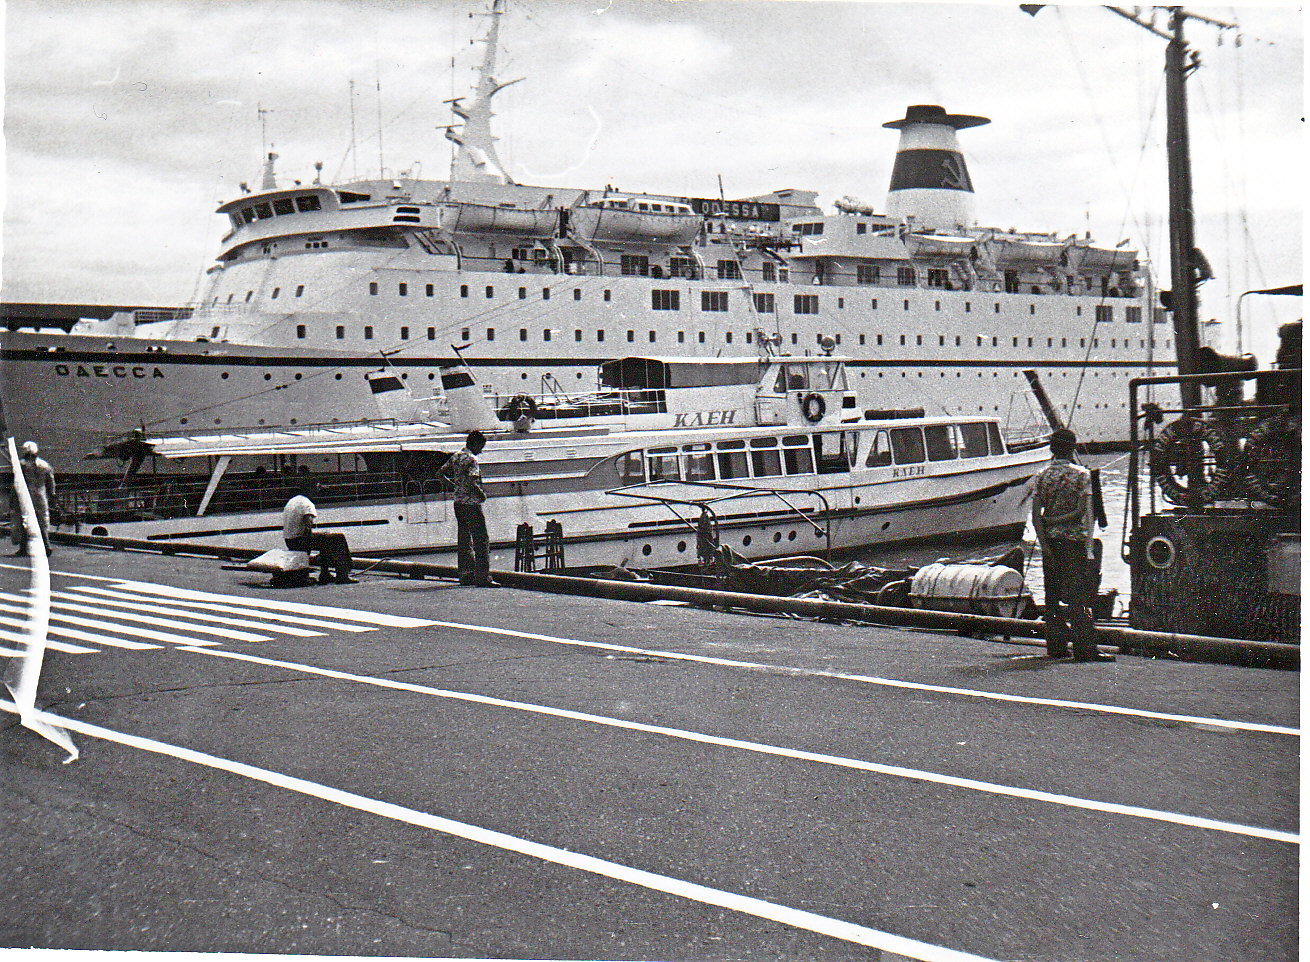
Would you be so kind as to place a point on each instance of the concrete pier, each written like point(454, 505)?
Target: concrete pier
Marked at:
point(408, 767)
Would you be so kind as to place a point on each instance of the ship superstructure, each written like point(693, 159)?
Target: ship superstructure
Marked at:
point(316, 287)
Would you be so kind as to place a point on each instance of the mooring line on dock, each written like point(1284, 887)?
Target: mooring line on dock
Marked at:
point(692, 891)
point(898, 771)
point(885, 682)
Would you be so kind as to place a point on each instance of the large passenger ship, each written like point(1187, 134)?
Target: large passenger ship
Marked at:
point(331, 303)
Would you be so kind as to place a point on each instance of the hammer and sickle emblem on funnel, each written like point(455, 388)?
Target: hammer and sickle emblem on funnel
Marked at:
point(954, 176)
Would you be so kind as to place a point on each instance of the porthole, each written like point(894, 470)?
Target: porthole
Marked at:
point(746, 541)
point(777, 536)
point(645, 549)
point(268, 377)
point(886, 525)
point(791, 535)
point(682, 546)
point(224, 375)
point(299, 375)
point(338, 377)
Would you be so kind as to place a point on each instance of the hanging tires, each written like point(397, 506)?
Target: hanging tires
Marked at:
point(1176, 446)
point(1272, 463)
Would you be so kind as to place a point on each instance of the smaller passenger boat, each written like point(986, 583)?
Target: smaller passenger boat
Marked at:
point(669, 460)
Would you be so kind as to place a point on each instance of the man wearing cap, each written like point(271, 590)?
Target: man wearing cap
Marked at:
point(40, 478)
point(1062, 518)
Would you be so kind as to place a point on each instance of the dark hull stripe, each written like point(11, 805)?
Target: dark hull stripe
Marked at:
point(157, 359)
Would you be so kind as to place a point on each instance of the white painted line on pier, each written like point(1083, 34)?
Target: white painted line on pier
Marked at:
point(132, 630)
point(22, 639)
point(897, 771)
point(99, 596)
point(759, 908)
point(229, 633)
point(345, 614)
point(63, 632)
point(885, 682)
point(235, 607)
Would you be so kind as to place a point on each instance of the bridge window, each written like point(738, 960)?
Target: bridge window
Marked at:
point(308, 202)
point(284, 205)
point(806, 304)
point(263, 211)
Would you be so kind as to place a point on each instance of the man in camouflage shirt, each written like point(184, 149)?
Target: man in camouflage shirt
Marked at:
point(1062, 518)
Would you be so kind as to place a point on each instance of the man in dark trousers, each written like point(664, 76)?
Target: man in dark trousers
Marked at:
point(463, 471)
point(298, 519)
point(1062, 518)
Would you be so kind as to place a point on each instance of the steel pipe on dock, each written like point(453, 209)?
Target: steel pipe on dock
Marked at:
point(1236, 651)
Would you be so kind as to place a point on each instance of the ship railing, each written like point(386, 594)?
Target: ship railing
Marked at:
point(547, 407)
point(650, 491)
point(1211, 454)
point(92, 502)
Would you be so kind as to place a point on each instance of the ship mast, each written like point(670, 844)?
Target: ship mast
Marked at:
point(1188, 266)
point(475, 156)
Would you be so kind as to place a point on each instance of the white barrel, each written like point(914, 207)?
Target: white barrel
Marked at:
point(975, 589)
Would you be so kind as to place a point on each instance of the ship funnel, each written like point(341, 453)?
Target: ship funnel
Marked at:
point(930, 181)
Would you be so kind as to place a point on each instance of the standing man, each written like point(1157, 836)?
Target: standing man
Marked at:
point(1062, 518)
point(298, 519)
point(463, 471)
point(40, 478)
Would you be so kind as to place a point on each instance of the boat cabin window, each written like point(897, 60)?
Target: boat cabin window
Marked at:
point(284, 205)
point(797, 456)
point(907, 445)
point(790, 378)
point(263, 211)
point(697, 462)
point(766, 462)
point(308, 202)
point(975, 440)
point(662, 464)
point(632, 468)
point(941, 442)
point(880, 451)
point(732, 460)
point(994, 435)
point(834, 451)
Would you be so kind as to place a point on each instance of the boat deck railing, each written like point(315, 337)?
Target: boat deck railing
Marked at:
point(646, 491)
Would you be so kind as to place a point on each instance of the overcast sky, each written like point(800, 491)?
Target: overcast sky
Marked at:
point(127, 121)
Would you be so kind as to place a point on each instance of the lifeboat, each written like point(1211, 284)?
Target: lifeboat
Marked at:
point(468, 218)
point(635, 219)
point(1085, 257)
point(940, 247)
point(1015, 253)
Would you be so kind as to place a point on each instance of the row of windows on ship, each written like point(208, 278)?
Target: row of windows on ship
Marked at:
point(825, 272)
point(714, 301)
point(652, 337)
point(830, 452)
